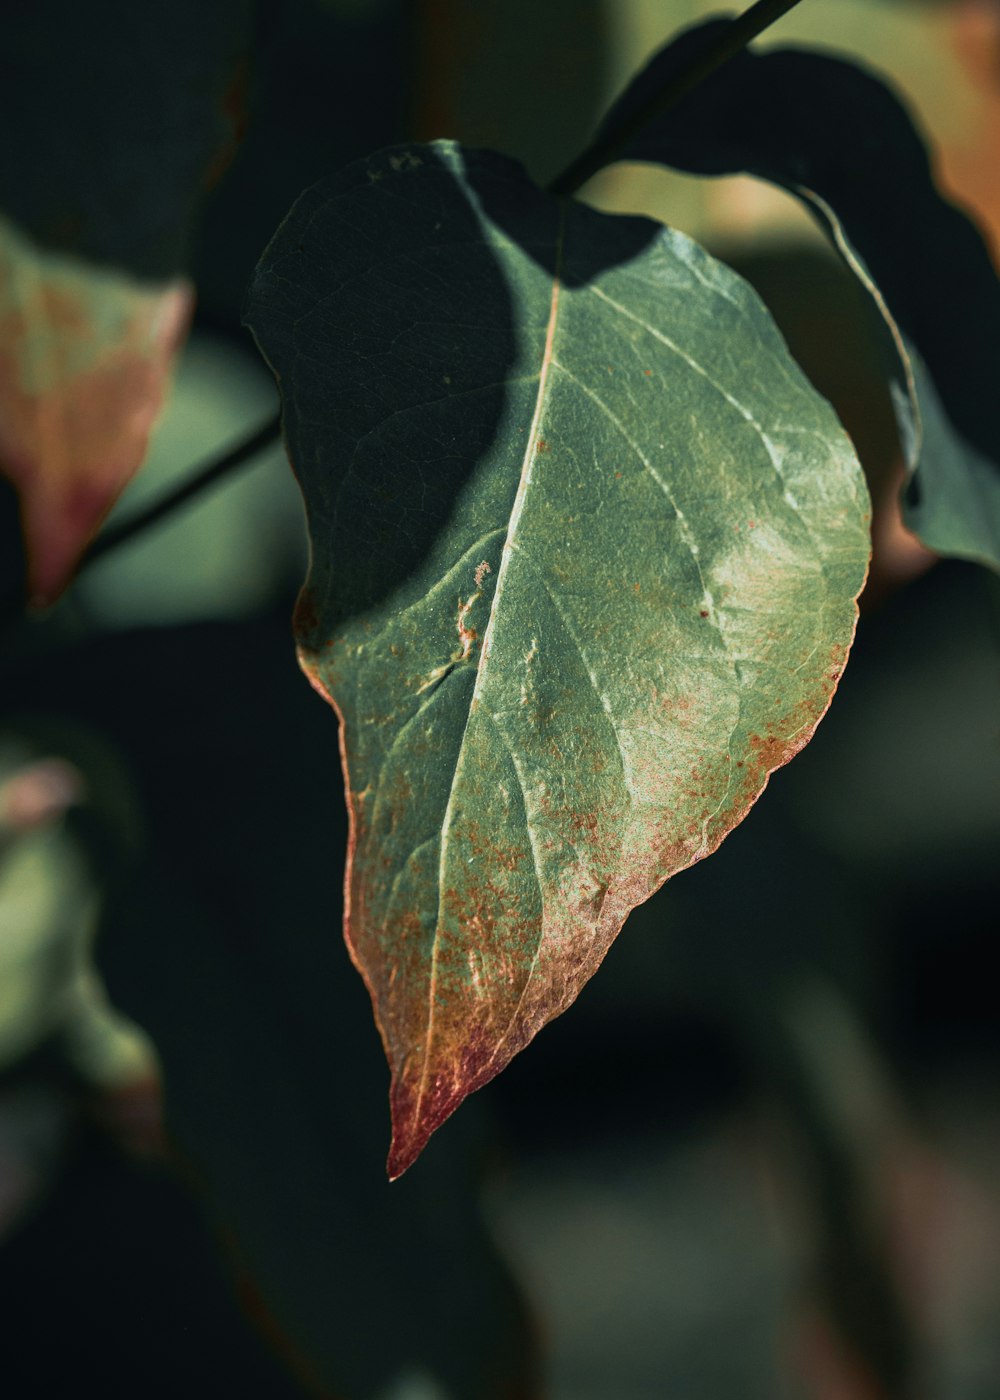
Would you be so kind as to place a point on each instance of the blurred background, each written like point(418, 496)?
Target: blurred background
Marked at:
point(758, 1159)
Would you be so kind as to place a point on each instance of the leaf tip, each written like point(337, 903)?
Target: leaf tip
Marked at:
point(409, 1138)
point(414, 1120)
point(420, 1104)
point(402, 1155)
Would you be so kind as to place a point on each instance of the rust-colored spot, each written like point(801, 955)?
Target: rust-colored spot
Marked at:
point(543, 446)
point(466, 635)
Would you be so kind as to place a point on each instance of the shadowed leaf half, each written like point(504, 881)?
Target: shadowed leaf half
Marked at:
point(85, 358)
point(836, 137)
point(585, 549)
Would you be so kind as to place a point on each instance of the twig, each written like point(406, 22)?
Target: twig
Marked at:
point(740, 32)
point(200, 480)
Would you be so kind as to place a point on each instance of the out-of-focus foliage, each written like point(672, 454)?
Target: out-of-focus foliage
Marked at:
point(49, 908)
point(86, 355)
point(839, 140)
point(121, 119)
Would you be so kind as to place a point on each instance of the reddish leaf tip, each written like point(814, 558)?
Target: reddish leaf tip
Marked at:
point(416, 1116)
point(402, 1155)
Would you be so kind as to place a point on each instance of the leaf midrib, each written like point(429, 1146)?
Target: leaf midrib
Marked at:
point(530, 454)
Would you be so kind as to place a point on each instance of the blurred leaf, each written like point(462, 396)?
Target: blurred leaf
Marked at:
point(47, 910)
point(122, 116)
point(86, 356)
point(49, 901)
point(585, 553)
point(835, 136)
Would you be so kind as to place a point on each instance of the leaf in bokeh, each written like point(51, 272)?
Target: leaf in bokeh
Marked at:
point(85, 357)
point(835, 136)
point(585, 550)
point(119, 117)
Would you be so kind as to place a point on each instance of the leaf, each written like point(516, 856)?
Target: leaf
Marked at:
point(85, 358)
point(835, 136)
point(123, 114)
point(585, 549)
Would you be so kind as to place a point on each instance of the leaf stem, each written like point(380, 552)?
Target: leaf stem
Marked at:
point(742, 30)
point(199, 480)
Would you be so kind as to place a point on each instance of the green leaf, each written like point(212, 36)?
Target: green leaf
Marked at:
point(585, 549)
point(840, 140)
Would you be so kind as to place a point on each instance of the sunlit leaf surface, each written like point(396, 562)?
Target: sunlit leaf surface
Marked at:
point(585, 554)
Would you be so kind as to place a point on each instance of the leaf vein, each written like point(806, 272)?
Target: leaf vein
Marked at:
point(570, 630)
point(766, 440)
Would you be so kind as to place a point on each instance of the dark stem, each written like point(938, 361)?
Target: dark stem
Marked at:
point(199, 480)
point(741, 31)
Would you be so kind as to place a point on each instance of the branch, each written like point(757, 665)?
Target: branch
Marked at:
point(742, 31)
point(199, 480)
